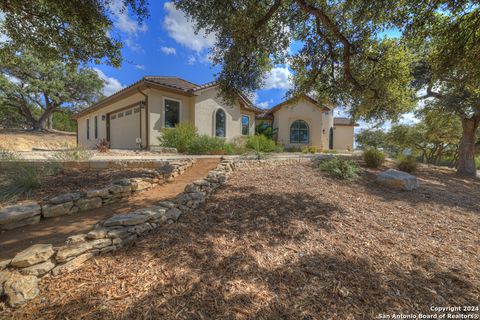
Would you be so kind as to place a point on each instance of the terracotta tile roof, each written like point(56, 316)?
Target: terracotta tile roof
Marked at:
point(342, 121)
point(173, 82)
point(264, 116)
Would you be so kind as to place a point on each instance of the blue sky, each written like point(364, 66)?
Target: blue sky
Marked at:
point(166, 45)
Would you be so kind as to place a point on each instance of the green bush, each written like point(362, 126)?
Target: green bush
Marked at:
point(330, 151)
point(293, 149)
point(407, 164)
point(209, 145)
point(179, 137)
point(261, 143)
point(340, 168)
point(373, 157)
point(309, 149)
point(477, 162)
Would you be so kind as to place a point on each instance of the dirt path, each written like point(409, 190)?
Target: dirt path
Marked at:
point(56, 230)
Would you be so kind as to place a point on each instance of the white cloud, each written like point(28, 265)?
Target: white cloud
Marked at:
point(265, 104)
point(169, 50)
point(3, 36)
point(124, 23)
point(140, 67)
point(191, 60)
point(278, 78)
point(111, 85)
point(182, 30)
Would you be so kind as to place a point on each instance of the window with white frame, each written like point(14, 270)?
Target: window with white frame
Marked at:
point(245, 125)
point(172, 113)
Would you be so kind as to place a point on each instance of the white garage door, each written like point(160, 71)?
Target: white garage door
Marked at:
point(125, 128)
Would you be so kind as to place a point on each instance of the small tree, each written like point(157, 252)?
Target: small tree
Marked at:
point(36, 89)
point(372, 138)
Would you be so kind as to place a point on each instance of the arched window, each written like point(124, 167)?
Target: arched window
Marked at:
point(299, 132)
point(220, 120)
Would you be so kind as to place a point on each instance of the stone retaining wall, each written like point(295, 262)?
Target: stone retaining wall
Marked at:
point(16, 216)
point(20, 275)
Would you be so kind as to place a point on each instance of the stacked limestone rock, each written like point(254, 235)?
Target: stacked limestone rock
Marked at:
point(20, 215)
point(20, 283)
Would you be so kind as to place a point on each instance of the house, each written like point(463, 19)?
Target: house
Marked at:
point(133, 117)
point(304, 121)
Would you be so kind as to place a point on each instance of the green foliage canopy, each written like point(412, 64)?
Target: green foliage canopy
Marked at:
point(70, 30)
point(36, 89)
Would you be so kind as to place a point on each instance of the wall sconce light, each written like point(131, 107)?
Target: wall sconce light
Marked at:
point(104, 117)
point(323, 131)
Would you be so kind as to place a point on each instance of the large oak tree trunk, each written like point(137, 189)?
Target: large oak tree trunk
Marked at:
point(466, 150)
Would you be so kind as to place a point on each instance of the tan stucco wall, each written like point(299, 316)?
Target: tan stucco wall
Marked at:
point(156, 106)
point(343, 137)
point(327, 124)
point(102, 129)
point(207, 103)
point(299, 110)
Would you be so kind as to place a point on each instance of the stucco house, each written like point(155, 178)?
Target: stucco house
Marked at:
point(304, 121)
point(133, 117)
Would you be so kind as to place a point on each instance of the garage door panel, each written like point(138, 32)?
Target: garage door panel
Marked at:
point(125, 128)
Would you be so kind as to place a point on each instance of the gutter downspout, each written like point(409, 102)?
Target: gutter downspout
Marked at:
point(147, 142)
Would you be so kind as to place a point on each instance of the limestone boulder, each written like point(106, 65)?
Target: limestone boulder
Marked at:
point(33, 255)
point(98, 233)
point(129, 219)
point(173, 214)
point(4, 276)
point(398, 179)
point(11, 215)
point(20, 288)
point(39, 269)
point(56, 210)
point(89, 203)
point(67, 197)
point(72, 250)
point(72, 264)
point(21, 223)
point(102, 193)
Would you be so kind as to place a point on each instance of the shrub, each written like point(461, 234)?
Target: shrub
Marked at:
point(209, 145)
point(22, 180)
point(103, 146)
point(340, 168)
point(293, 149)
point(407, 164)
point(179, 137)
point(330, 151)
point(260, 143)
point(309, 149)
point(477, 162)
point(373, 157)
point(69, 154)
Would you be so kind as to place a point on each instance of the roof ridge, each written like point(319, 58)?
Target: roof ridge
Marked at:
point(171, 77)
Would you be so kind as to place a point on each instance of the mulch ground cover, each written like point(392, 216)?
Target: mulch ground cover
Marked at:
point(288, 243)
point(56, 182)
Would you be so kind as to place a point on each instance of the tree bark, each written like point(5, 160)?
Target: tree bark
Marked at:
point(466, 150)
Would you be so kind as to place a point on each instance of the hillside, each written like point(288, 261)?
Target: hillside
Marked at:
point(21, 140)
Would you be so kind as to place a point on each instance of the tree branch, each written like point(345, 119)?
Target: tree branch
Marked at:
point(268, 15)
point(347, 46)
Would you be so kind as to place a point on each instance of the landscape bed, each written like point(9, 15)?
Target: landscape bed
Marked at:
point(288, 243)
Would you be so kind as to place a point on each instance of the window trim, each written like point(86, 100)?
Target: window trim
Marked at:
point(308, 131)
point(215, 122)
point(180, 107)
point(95, 121)
point(88, 128)
point(241, 124)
